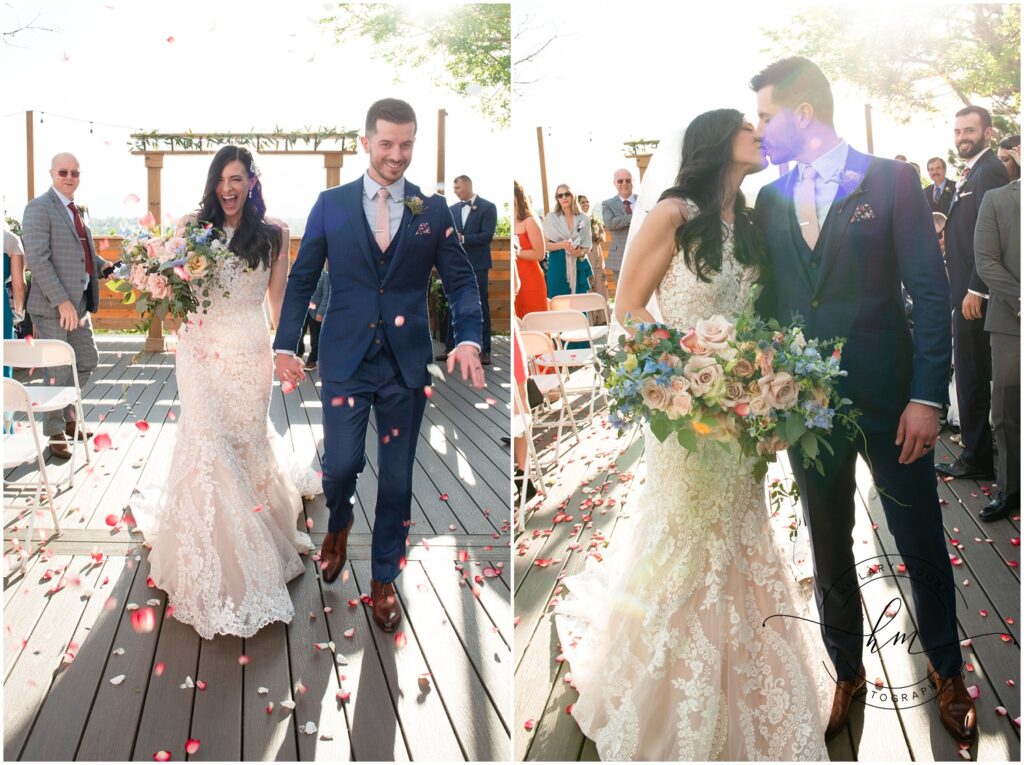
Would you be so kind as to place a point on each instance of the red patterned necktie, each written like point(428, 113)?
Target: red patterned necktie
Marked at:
point(80, 228)
point(628, 206)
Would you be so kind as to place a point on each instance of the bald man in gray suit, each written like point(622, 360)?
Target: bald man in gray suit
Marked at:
point(66, 271)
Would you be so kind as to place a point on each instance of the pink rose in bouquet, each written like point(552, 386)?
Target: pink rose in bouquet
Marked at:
point(706, 376)
point(743, 368)
point(735, 394)
point(654, 396)
point(157, 285)
point(715, 333)
point(691, 343)
point(680, 405)
point(765, 360)
point(138, 276)
point(779, 390)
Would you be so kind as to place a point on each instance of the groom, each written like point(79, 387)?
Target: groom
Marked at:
point(843, 231)
point(382, 237)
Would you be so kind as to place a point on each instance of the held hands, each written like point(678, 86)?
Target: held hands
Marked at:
point(468, 359)
point(288, 368)
point(917, 432)
point(971, 307)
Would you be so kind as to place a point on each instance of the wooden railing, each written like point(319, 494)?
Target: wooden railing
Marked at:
point(115, 316)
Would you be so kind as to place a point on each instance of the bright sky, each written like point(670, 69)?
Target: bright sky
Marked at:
point(232, 66)
point(621, 71)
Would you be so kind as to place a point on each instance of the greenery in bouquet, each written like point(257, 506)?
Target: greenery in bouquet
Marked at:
point(760, 385)
point(174, 274)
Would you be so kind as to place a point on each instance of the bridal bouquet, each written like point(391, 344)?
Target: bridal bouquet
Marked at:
point(751, 382)
point(175, 274)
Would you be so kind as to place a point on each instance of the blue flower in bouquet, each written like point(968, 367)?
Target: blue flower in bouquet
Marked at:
point(817, 416)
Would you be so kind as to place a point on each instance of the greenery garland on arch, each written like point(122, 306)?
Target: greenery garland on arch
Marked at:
point(307, 139)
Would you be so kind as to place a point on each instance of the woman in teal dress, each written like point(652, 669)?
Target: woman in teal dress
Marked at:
point(568, 235)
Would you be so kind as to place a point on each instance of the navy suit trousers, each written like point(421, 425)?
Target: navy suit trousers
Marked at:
point(398, 410)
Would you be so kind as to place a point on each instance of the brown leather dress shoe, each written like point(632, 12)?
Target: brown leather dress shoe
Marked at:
point(386, 611)
point(59, 447)
point(846, 691)
point(333, 553)
point(83, 434)
point(956, 708)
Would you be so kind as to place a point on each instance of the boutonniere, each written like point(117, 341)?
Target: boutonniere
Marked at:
point(848, 181)
point(863, 212)
point(415, 204)
point(83, 211)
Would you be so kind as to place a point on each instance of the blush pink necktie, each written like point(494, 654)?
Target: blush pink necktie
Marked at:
point(806, 210)
point(382, 230)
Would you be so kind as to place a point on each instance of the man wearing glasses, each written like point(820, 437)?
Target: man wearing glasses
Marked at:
point(617, 214)
point(66, 270)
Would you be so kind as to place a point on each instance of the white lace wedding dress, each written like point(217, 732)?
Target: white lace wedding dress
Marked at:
point(664, 637)
point(222, 522)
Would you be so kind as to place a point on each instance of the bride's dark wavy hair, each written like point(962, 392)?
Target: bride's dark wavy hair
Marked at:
point(255, 241)
point(706, 158)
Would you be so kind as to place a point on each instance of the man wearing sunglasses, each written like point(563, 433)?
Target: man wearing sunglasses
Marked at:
point(66, 270)
point(617, 213)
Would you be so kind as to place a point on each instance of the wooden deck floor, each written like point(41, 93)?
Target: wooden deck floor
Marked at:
point(595, 485)
point(442, 691)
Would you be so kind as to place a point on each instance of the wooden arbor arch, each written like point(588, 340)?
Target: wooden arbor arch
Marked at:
point(331, 144)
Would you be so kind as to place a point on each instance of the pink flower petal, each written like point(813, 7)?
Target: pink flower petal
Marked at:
point(101, 441)
point(529, 724)
point(201, 685)
point(143, 620)
point(111, 520)
point(243, 659)
point(443, 497)
point(343, 696)
point(1006, 638)
point(350, 633)
point(258, 509)
point(400, 639)
point(428, 391)
point(171, 40)
point(162, 756)
point(399, 321)
point(147, 220)
point(973, 692)
point(131, 200)
point(1001, 711)
point(159, 668)
point(142, 425)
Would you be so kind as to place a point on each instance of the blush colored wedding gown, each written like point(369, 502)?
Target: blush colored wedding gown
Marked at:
point(222, 521)
point(664, 637)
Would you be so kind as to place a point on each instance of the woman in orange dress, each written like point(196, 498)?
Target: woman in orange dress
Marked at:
point(533, 289)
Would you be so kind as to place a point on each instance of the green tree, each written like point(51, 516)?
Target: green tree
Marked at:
point(468, 47)
point(913, 60)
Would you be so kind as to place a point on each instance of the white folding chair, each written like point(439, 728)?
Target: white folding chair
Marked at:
point(50, 398)
point(536, 347)
point(522, 426)
point(23, 445)
point(586, 302)
point(554, 323)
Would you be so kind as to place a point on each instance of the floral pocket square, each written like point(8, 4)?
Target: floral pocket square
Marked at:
point(863, 212)
point(423, 230)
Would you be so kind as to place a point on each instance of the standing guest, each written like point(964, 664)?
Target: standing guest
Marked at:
point(475, 221)
point(595, 256)
point(940, 193)
point(66, 271)
point(972, 359)
point(567, 231)
point(1006, 156)
point(533, 288)
point(617, 214)
point(900, 157)
point(14, 280)
point(318, 305)
point(997, 250)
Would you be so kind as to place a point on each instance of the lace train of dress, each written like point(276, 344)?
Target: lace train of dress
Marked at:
point(222, 521)
point(664, 637)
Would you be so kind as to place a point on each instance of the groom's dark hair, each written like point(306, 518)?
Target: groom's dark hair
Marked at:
point(797, 80)
point(389, 110)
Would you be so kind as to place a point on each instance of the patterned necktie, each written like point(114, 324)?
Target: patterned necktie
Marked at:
point(628, 206)
point(382, 230)
point(80, 228)
point(806, 210)
point(936, 194)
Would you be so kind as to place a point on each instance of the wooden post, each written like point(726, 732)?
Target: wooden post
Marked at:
point(31, 152)
point(441, 114)
point(867, 125)
point(154, 164)
point(333, 160)
point(642, 161)
point(543, 169)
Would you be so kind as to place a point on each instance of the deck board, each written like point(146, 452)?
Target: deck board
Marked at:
point(462, 639)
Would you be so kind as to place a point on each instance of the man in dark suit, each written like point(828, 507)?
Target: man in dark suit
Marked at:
point(66, 272)
point(997, 253)
point(1008, 155)
point(940, 193)
point(843, 230)
point(382, 237)
point(475, 221)
point(617, 215)
point(972, 357)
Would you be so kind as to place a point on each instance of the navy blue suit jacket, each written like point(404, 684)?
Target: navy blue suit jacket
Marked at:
point(988, 173)
point(878, 235)
point(479, 231)
point(337, 232)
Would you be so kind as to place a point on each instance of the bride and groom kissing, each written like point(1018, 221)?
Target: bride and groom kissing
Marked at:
point(671, 640)
point(222, 526)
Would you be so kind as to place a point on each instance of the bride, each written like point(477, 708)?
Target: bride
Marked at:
point(222, 523)
point(666, 638)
